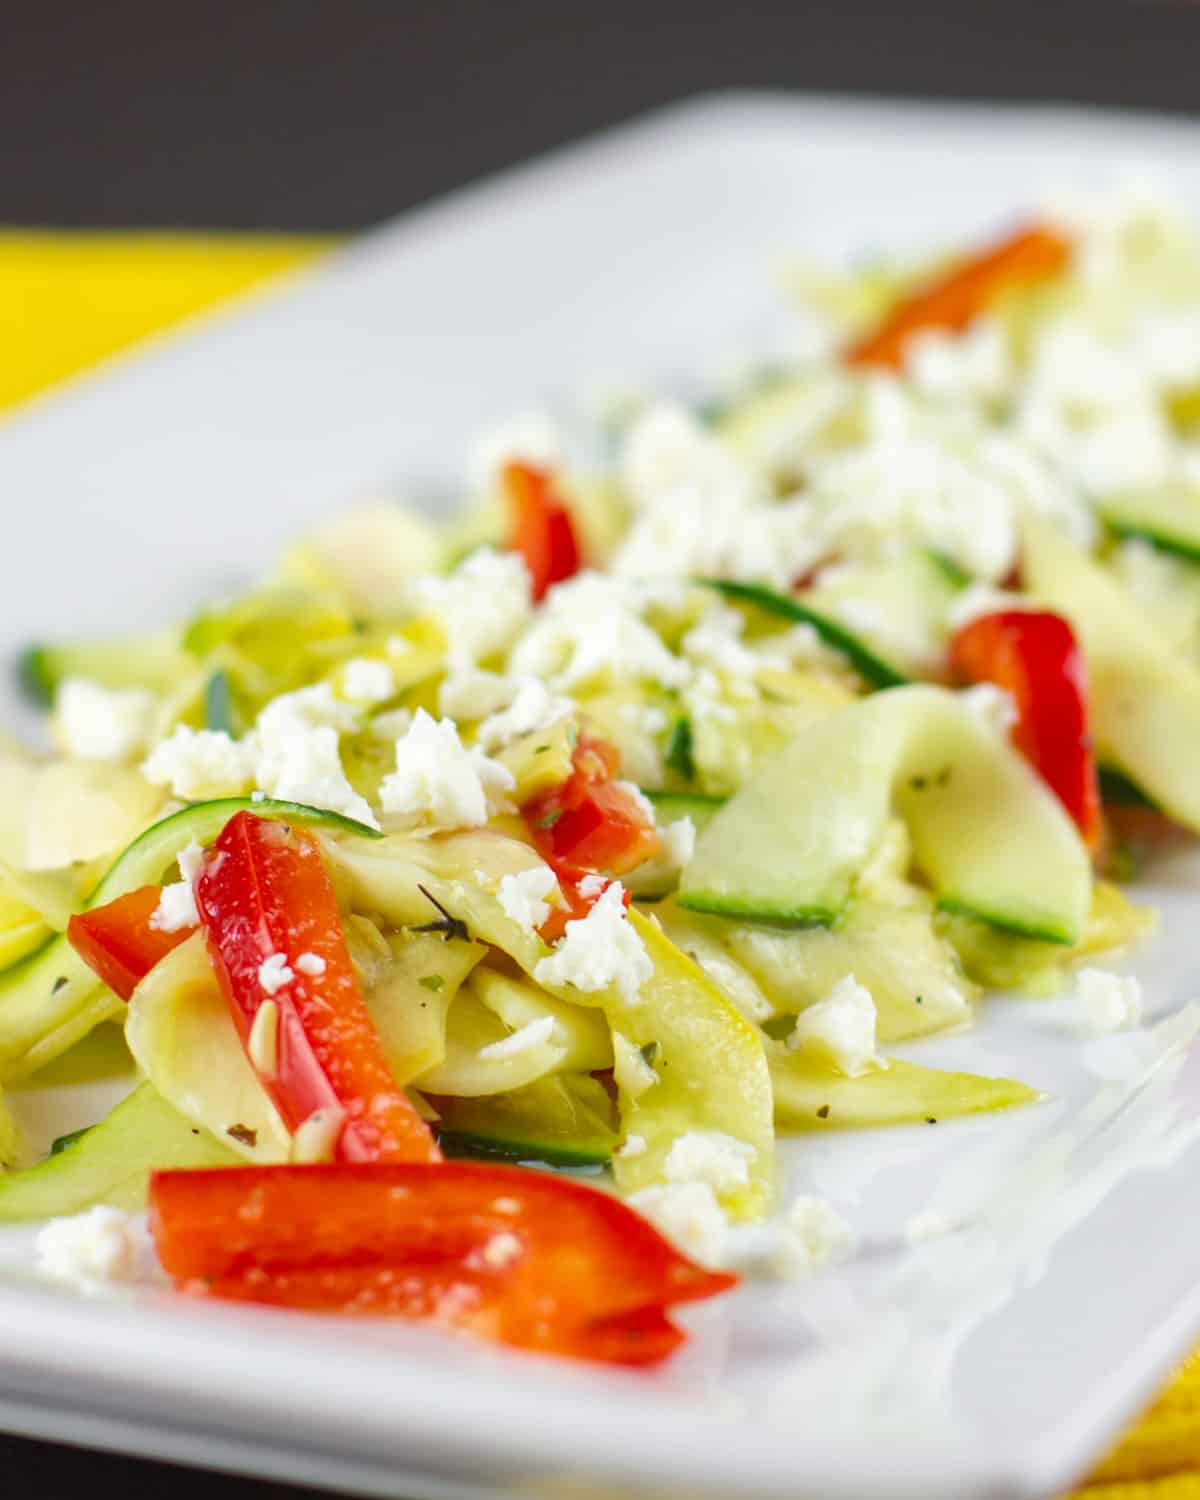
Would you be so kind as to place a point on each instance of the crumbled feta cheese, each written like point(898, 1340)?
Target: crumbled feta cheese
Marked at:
point(841, 1027)
point(668, 453)
point(274, 973)
point(981, 599)
point(679, 841)
point(94, 1250)
point(176, 908)
point(688, 1214)
point(523, 896)
point(592, 886)
point(316, 1138)
point(298, 760)
point(972, 364)
point(632, 1145)
point(1108, 1002)
point(716, 642)
point(590, 629)
point(367, 681)
point(994, 707)
point(200, 764)
point(482, 606)
point(529, 437)
point(262, 1045)
point(437, 778)
point(811, 1235)
point(468, 692)
point(532, 1034)
point(599, 951)
point(99, 723)
point(710, 1156)
point(311, 964)
point(639, 799)
point(190, 860)
point(533, 707)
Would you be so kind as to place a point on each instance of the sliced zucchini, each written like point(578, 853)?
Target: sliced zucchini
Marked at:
point(986, 833)
point(111, 1162)
point(811, 1098)
point(410, 998)
point(1168, 516)
point(1145, 701)
point(51, 999)
point(896, 608)
point(154, 661)
point(560, 1122)
point(875, 670)
point(669, 807)
point(10, 1140)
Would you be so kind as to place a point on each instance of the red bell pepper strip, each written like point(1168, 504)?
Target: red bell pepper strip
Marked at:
point(955, 299)
point(1035, 656)
point(519, 1257)
point(118, 942)
point(541, 529)
point(263, 889)
point(591, 824)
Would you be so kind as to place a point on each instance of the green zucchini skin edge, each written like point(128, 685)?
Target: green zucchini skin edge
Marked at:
point(482, 1148)
point(876, 672)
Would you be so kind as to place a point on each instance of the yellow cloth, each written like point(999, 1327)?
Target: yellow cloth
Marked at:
point(67, 300)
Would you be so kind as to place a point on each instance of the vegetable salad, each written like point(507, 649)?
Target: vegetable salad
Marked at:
point(624, 821)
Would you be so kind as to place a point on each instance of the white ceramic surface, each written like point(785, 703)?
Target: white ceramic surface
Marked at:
point(994, 1362)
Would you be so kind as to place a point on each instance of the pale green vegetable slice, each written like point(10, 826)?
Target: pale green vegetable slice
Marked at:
point(111, 1163)
point(565, 1121)
point(1167, 515)
point(411, 998)
point(897, 607)
point(1144, 700)
point(580, 1030)
point(914, 977)
point(82, 810)
point(714, 1074)
point(181, 1032)
point(988, 835)
point(9, 1139)
point(467, 1071)
point(809, 1097)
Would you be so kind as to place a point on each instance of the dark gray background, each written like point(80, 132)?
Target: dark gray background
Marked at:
point(333, 114)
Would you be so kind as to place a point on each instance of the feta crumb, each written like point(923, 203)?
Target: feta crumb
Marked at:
point(201, 764)
point(638, 798)
point(994, 707)
point(468, 692)
point(311, 964)
point(523, 896)
point(1108, 1002)
point(688, 1214)
point(534, 706)
point(440, 780)
point(926, 1226)
point(482, 606)
point(532, 1034)
point(94, 1250)
point(368, 681)
point(812, 1235)
point(176, 908)
point(99, 723)
point(274, 973)
point(529, 437)
point(679, 841)
point(599, 951)
point(190, 860)
point(841, 1027)
point(633, 1145)
point(710, 1156)
point(262, 1045)
point(298, 759)
point(316, 1138)
point(592, 886)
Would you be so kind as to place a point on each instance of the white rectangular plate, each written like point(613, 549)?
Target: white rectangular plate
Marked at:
point(994, 1361)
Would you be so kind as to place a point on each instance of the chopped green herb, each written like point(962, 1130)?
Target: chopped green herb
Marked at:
point(218, 704)
point(60, 983)
point(65, 1142)
point(650, 1053)
point(433, 982)
point(678, 754)
point(550, 818)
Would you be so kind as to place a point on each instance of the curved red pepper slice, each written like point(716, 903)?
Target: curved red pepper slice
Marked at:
point(1035, 656)
point(118, 942)
point(954, 300)
point(591, 824)
point(263, 890)
point(519, 1257)
point(541, 529)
